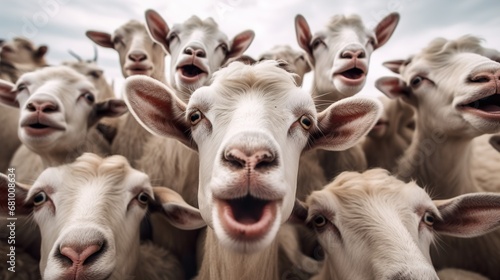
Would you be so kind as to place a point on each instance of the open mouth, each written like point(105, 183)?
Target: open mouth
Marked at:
point(190, 72)
point(353, 74)
point(38, 127)
point(487, 106)
point(247, 218)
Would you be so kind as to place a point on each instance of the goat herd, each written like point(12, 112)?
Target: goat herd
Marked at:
point(230, 170)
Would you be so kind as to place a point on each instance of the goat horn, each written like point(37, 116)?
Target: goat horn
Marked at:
point(95, 53)
point(72, 53)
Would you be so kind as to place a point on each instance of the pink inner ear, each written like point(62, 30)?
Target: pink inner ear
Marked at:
point(101, 38)
point(303, 33)
point(385, 28)
point(240, 43)
point(158, 27)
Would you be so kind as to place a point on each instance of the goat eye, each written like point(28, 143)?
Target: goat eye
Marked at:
point(319, 221)
point(89, 97)
point(143, 198)
point(305, 122)
point(195, 117)
point(21, 87)
point(39, 198)
point(172, 36)
point(118, 40)
point(224, 48)
point(415, 82)
point(95, 74)
point(316, 43)
point(428, 219)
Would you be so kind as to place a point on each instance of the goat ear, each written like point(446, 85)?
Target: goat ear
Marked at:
point(304, 36)
point(7, 94)
point(394, 65)
point(468, 215)
point(157, 108)
point(110, 108)
point(41, 51)
point(385, 28)
point(299, 212)
point(495, 142)
point(103, 39)
point(240, 43)
point(392, 87)
point(158, 29)
point(10, 189)
point(344, 123)
point(177, 211)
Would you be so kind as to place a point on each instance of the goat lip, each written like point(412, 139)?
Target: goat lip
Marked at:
point(487, 107)
point(40, 125)
point(138, 69)
point(247, 218)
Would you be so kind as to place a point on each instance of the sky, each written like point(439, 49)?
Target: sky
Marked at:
point(61, 24)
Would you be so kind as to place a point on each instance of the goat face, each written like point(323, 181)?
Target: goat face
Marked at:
point(198, 48)
point(457, 87)
point(357, 219)
point(249, 145)
point(55, 105)
point(138, 53)
point(341, 53)
point(88, 222)
point(20, 51)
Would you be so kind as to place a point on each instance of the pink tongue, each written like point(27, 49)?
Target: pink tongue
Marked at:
point(491, 108)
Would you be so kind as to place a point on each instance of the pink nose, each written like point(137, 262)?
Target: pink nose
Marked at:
point(250, 159)
point(353, 54)
point(485, 76)
point(78, 254)
point(196, 51)
point(137, 56)
point(42, 106)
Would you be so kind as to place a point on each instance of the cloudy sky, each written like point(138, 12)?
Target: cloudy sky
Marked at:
point(61, 24)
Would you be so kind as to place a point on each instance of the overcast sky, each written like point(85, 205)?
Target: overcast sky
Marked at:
point(61, 24)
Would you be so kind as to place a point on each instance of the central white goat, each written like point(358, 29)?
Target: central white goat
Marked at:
point(249, 127)
point(89, 213)
point(374, 226)
point(454, 90)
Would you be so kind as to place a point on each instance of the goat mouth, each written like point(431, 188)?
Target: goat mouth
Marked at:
point(38, 127)
point(190, 72)
point(139, 69)
point(353, 74)
point(247, 218)
point(487, 107)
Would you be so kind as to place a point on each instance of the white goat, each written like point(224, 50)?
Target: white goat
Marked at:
point(454, 91)
point(391, 136)
point(89, 213)
point(298, 62)
point(249, 127)
point(16, 57)
point(58, 108)
point(340, 55)
point(374, 226)
point(139, 55)
point(198, 49)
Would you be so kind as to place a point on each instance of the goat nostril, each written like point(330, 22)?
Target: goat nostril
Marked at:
point(480, 79)
point(49, 108)
point(81, 255)
point(264, 160)
point(200, 53)
point(234, 160)
point(30, 107)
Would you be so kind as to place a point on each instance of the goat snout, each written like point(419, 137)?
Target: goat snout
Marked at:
point(250, 159)
point(353, 51)
point(79, 254)
point(137, 56)
point(195, 50)
point(45, 106)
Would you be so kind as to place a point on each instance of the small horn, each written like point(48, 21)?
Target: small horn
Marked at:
point(95, 53)
point(72, 53)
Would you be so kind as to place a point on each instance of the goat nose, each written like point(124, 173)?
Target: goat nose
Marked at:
point(350, 54)
point(78, 254)
point(195, 51)
point(42, 106)
point(253, 159)
point(137, 56)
